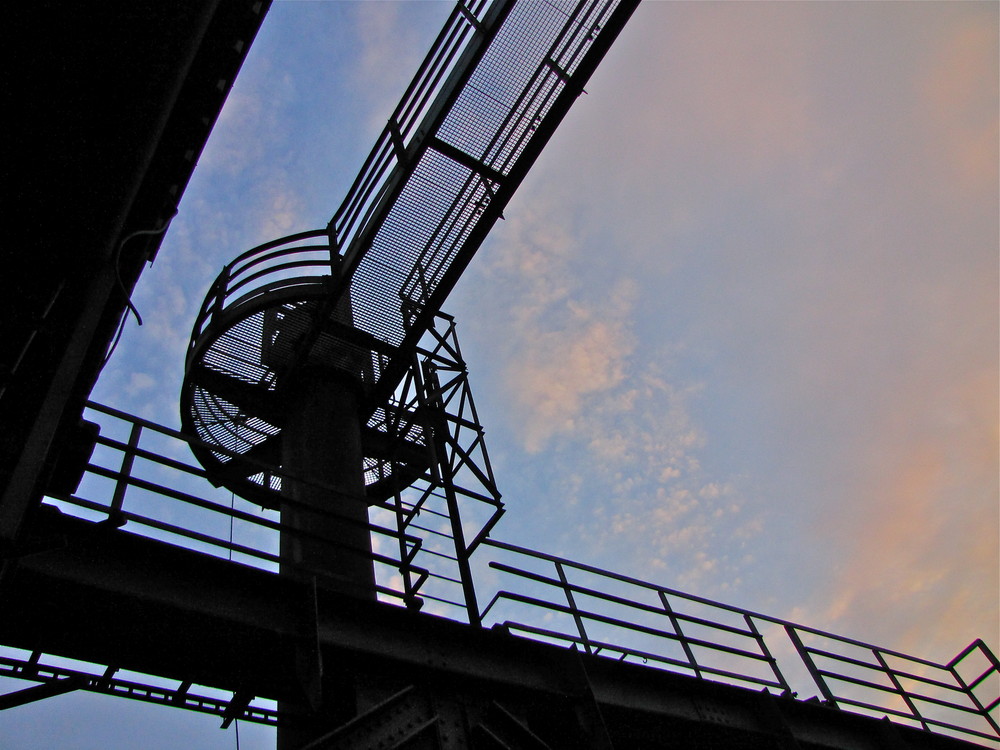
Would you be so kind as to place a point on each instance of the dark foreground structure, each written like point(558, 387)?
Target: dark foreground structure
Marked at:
point(325, 389)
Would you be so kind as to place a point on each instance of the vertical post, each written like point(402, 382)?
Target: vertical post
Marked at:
point(811, 666)
point(675, 623)
point(405, 555)
point(572, 605)
point(752, 626)
point(899, 688)
point(325, 532)
point(431, 389)
point(219, 289)
point(115, 515)
point(321, 450)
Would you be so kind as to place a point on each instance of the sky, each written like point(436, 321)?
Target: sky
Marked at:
point(737, 334)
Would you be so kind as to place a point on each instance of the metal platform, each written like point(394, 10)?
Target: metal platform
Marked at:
point(363, 292)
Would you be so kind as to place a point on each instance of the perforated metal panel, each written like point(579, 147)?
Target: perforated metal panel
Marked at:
point(358, 296)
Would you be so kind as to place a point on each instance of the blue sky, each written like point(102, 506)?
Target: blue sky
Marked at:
point(737, 334)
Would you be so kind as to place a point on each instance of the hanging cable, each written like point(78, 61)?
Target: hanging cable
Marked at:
point(232, 512)
point(118, 259)
point(121, 283)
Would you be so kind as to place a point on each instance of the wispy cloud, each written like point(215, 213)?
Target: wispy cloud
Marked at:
point(802, 203)
point(559, 349)
point(616, 446)
point(393, 39)
point(926, 546)
point(963, 111)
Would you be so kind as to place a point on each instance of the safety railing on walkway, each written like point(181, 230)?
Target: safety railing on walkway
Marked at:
point(935, 696)
point(556, 600)
point(140, 478)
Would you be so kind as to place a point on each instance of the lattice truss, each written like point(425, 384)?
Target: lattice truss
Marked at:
point(54, 676)
point(447, 510)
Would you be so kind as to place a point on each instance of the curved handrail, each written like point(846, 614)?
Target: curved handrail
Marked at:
point(254, 266)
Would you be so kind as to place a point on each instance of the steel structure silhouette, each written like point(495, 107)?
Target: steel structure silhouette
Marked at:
point(325, 387)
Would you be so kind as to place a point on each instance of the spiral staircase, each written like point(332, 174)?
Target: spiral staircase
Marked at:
point(268, 317)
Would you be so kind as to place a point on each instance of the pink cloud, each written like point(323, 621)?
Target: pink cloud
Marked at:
point(961, 103)
point(924, 546)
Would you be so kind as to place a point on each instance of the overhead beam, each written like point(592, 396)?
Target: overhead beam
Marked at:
point(238, 628)
point(39, 692)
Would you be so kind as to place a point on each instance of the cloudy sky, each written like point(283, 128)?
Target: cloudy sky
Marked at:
point(738, 333)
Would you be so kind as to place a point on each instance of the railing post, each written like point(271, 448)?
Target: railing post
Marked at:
point(752, 626)
point(334, 243)
point(688, 651)
point(899, 688)
point(405, 554)
point(221, 284)
point(572, 605)
point(115, 515)
point(430, 387)
point(811, 666)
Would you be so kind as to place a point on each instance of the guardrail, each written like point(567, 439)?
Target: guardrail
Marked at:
point(139, 477)
point(615, 616)
point(298, 263)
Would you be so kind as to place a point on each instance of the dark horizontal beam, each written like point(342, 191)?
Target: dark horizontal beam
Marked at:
point(153, 608)
point(39, 692)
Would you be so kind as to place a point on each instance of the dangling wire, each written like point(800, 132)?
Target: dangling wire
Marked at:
point(121, 283)
point(232, 512)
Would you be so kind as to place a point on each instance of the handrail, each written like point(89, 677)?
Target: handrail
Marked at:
point(919, 691)
point(252, 265)
point(125, 484)
point(385, 155)
point(718, 642)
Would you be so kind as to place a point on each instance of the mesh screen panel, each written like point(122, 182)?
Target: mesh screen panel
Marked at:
point(406, 223)
point(494, 116)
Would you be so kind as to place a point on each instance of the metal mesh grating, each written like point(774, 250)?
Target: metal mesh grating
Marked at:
point(496, 102)
point(451, 156)
point(221, 423)
point(494, 116)
point(496, 113)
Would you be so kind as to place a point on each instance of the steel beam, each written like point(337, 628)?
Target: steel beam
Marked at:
point(157, 609)
point(39, 692)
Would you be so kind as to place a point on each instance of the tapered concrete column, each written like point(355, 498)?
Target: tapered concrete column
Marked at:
point(321, 443)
